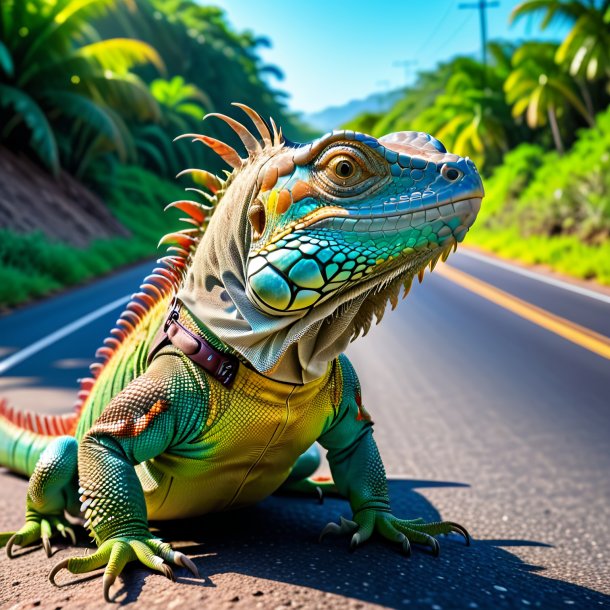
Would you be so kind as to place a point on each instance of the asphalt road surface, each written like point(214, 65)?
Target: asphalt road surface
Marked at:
point(484, 415)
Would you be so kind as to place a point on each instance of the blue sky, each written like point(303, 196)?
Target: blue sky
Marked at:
point(333, 51)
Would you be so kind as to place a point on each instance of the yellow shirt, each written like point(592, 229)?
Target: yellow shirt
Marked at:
point(251, 439)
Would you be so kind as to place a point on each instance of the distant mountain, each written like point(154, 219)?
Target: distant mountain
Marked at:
point(335, 116)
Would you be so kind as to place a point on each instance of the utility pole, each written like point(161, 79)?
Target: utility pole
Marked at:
point(482, 6)
point(385, 86)
point(406, 65)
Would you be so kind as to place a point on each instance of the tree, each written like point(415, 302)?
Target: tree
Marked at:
point(182, 112)
point(469, 120)
point(64, 91)
point(542, 90)
point(585, 51)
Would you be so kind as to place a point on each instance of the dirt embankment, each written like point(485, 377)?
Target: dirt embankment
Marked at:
point(62, 208)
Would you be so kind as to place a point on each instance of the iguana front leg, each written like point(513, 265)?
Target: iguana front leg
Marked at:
point(359, 475)
point(139, 424)
point(51, 491)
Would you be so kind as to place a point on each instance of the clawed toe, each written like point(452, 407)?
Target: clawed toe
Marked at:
point(402, 531)
point(460, 529)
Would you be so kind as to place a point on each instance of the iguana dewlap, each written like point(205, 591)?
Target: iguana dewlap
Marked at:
point(214, 401)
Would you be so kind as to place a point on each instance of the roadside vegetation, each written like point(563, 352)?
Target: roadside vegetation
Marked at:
point(537, 123)
point(32, 265)
point(99, 89)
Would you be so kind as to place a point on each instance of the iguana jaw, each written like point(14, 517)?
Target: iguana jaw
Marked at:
point(409, 247)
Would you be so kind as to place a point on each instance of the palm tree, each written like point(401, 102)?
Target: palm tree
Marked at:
point(469, 121)
point(182, 112)
point(62, 89)
point(542, 90)
point(586, 49)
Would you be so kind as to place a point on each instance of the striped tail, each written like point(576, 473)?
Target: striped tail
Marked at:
point(25, 435)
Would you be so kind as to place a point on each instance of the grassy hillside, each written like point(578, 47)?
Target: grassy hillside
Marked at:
point(33, 265)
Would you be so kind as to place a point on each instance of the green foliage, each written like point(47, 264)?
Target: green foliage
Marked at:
point(32, 265)
point(543, 193)
point(564, 253)
point(585, 51)
point(541, 207)
point(64, 92)
point(542, 90)
point(506, 183)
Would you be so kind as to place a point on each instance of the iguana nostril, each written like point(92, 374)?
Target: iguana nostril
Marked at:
point(257, 218)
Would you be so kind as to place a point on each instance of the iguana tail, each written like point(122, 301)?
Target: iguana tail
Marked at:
point(25, 435)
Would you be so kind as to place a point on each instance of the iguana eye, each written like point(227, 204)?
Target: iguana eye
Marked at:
point(344, 168)
point(347, 170)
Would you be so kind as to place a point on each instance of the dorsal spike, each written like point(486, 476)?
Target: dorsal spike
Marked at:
point(249, 141)
point(277, 134)
point(186, 241)
point(192, 221)
point(258, 121)
point(151, 288)
point(211, 199)
point(201, 176)
point(203, 194)
point(224, 151)
point(192, 208)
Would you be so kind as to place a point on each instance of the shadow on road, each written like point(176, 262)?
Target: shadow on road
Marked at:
point(277, 540)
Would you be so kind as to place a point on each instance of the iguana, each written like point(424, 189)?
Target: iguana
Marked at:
point(228, 364)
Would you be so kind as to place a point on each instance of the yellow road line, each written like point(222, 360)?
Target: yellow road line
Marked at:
point(589, 339)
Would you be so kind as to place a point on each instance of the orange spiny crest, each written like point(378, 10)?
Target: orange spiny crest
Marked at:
point(227, 153)
point(47, 425)
point(210, 199)
point(249, 141)
point(145, 298)
point(258, 122)
point(194, 209)
point(178, 250)
point(151, 289)
point(201, 176)
point(137, 308)
point(104, 352)
point(186, 241)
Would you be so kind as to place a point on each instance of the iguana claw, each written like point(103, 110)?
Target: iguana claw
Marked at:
point(460, 529)
point(346, 527)
point(37, 529)
point(14, 539)
point(115, 553)
point(56, 568)
point(406, 545)
point(397, 530)
point(182, 560)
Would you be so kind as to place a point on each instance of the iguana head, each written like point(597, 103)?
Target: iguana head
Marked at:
point(307, 243)
point(349, 209)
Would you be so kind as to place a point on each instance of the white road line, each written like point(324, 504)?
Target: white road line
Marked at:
point(537, 276)
point(62, 332)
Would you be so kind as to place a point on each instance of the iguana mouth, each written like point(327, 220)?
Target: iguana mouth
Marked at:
point(334, 212)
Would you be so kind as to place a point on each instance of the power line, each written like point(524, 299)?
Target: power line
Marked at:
point(435, 30)
point(482, 6)
point(406, 65)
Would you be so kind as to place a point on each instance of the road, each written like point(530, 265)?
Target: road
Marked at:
point(483, 416)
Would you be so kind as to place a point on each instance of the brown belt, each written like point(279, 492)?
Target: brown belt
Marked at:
point(222, 367)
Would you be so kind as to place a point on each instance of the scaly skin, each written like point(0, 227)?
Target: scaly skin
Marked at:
point(344, 217)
